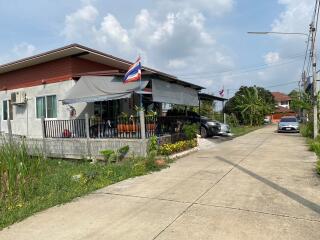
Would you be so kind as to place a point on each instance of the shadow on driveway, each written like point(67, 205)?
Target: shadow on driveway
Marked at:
point(305, 202)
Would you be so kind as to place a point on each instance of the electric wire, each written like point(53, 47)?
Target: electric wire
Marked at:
point(253, 68)
point(241, 72)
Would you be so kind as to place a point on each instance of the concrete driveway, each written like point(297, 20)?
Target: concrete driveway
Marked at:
point(259, 186)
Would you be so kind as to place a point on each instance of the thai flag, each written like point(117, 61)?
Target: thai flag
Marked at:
point(221, 92)
point(134, 72)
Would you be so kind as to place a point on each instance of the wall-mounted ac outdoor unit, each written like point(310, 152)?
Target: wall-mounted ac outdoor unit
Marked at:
point(18, 98)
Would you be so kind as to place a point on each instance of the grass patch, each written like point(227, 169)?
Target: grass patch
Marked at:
point(242, 130)
point(314, 146)
point(37, 184)
point(318, 167)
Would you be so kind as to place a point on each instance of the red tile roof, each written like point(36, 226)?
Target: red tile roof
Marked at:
point(278, 96)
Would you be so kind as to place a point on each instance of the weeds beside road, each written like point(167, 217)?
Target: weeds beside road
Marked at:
point(242, 130)
point(29, 185)
point(306, 130)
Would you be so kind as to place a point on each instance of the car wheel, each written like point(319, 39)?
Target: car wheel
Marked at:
point(203, 132)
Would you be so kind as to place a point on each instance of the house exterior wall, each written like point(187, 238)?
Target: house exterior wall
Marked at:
point(24, 116)
point(51, 78)
point(285, 104)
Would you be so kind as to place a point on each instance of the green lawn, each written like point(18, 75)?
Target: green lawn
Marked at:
point(61, 181)
point(242, 130)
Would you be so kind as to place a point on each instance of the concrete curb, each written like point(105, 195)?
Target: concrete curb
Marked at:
point(184, 153)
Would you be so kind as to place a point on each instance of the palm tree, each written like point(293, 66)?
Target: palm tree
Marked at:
point(252, 106)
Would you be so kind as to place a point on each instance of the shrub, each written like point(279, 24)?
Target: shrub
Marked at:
point(232, 120)
point(306, 130)
point(150, 160)
point(106, 154)
point(153, 144)
point(190, 130)
point(315, 147)
point(168, 149)
point(115, 156)
point(123, 150)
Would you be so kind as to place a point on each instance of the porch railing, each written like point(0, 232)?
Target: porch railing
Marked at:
point(116, 128)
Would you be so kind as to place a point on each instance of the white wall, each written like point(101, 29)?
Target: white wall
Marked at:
point(24, 117)
point(286, 105)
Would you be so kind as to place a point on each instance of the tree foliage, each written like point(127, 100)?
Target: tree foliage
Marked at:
point(206, 108)
point(250, 105)
point(300, 101)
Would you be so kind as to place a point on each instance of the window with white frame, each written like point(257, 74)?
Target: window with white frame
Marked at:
point(46, 106)
point(7, 110)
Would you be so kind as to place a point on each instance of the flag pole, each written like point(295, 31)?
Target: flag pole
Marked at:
point(142, 117)
point(140, 84)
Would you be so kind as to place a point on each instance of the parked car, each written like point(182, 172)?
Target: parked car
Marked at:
point(288, 124)
point(208, 127)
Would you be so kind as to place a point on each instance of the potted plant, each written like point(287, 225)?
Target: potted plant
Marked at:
point(151, 125)
point(121, 126)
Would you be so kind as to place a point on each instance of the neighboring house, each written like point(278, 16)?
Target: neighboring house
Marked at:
point(282, 106)
point(74, 80)
point(282, 100)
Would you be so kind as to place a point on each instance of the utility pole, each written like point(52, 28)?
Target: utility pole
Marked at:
point(314, 76)
point(304, 80)
point(304, 85)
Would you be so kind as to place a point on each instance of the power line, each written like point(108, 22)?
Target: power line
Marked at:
point(240, 72)
point(210, 73)
point(270, 86)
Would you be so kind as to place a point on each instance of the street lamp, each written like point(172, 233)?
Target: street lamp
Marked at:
point(281, 33)
point(312, 34)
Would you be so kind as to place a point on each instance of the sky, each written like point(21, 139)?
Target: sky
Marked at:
point(200, 41)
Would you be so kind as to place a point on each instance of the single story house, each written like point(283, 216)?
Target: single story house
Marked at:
point(66, 83)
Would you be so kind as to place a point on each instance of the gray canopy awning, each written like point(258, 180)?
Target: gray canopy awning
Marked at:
point(166, 92)
point(101, 88)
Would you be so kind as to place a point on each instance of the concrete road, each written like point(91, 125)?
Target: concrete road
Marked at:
point(259, 186)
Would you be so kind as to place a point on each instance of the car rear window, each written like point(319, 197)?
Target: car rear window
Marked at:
point(288, 120)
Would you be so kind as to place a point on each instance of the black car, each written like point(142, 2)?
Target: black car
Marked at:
point(208, 127)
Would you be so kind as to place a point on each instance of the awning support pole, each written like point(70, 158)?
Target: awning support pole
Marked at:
point(199, 111)
point(142, 124)
point(224, 114)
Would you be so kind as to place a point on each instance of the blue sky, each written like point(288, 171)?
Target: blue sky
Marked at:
point(202, 41)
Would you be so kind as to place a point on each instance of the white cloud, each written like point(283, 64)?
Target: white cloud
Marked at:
point(272, 58)
point(24, 50)
point(214, 7)
point(175, 41)
point(79, 23)
point(21, 50)
point(113, 35)
point(296, 17)
point(177, 63)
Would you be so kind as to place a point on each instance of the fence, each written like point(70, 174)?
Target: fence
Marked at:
point(127, 128)
point(75, 148)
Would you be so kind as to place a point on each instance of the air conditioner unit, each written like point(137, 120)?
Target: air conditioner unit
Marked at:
point(18, 98)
